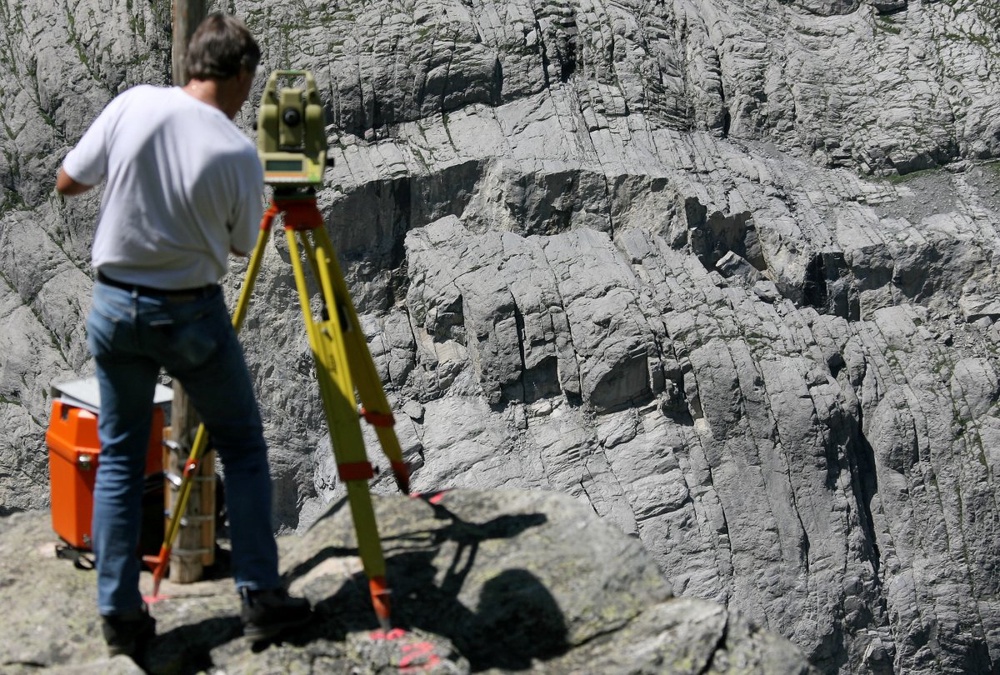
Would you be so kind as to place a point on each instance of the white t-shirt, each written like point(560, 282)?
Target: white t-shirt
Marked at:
point(184, 186)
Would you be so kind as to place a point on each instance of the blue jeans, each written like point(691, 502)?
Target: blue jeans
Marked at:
point(132, 336)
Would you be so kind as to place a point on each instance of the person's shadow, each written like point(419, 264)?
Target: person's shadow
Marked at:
point(515, 620)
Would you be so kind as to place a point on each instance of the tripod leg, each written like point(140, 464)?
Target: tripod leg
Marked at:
point(159, 562)
point(253, 269)
point(375, 406)
point(326, 338)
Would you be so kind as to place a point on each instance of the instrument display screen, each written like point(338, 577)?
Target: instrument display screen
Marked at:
point(283, 165)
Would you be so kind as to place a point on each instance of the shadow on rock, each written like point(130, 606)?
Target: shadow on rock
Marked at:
point(187, 649)
point(495, 618)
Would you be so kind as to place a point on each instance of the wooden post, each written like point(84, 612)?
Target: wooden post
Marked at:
point(188, 14)
point(195, 545)
point(194, 548)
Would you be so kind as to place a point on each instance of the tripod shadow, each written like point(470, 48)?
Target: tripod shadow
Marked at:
point(516, 618)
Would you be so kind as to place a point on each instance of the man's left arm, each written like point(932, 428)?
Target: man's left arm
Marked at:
point(87, 163)
point(69, 186)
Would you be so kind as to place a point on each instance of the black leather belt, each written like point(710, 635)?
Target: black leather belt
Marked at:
point(176, 295)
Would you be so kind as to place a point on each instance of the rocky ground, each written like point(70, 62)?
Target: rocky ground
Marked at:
point(723, 269)
point(497, 582)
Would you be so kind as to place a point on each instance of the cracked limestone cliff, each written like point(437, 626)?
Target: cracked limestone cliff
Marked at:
point(724, 270)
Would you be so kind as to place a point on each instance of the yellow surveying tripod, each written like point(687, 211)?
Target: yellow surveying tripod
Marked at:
point(293, 150)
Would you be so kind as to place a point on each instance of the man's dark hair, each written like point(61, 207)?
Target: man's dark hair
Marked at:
point(220, 46)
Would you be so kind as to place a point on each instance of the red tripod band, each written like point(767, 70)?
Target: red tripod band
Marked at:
point(377, 419)
point(355, 471)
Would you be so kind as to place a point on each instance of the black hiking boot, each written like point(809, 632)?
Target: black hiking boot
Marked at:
point(129, 633)
point(267, 613)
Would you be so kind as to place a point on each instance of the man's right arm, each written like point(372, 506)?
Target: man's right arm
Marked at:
point(248, 208)
point(69, 186)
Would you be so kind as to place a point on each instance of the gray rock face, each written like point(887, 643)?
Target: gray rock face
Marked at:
point(724, 270)
point(498, 581)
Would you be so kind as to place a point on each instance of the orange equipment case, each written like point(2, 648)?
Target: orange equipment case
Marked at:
point(74, 449)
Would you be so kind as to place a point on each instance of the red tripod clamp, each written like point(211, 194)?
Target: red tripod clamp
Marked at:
point(301, 213)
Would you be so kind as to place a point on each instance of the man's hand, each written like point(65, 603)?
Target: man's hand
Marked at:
point(69, 186)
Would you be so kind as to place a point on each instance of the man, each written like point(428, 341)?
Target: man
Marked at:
point(184, 189)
